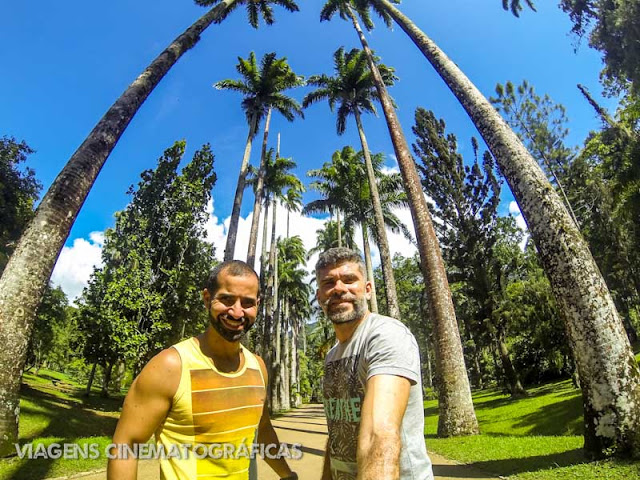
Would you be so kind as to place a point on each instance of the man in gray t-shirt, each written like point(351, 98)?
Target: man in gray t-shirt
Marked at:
point(372, 384)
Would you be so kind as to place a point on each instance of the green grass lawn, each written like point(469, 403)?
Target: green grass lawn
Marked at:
point(537, 437)
point(59, 413)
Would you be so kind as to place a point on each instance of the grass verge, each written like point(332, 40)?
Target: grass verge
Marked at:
point(537, 437)
point(54, 410)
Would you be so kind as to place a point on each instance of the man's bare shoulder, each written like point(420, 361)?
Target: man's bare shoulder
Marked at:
point(161, 376)
point(263, 366)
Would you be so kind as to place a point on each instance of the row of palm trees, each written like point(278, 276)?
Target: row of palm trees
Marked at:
point(610, 378)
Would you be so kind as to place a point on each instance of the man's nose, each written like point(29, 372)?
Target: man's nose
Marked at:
point(236, 310)
point(340, 287)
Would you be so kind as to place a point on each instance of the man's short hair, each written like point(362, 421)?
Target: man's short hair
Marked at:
point(235, 268)
point(336, 256)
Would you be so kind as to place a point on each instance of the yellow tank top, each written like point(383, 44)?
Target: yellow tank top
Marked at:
point(215, 411)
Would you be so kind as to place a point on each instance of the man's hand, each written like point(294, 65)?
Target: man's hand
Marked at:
point(145, 407)
point(267, 436)
point(379, 440)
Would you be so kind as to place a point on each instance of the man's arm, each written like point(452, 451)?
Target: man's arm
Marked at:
point(267, 436)
point(145, 407)
point(379, 440)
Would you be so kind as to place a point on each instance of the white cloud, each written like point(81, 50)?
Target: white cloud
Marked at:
point(76, 263)
point(299, 224)
point(390, 170)
point(514, 210)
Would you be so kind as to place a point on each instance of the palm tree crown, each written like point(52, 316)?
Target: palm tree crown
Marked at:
point(262, 86)
point(352, 87)
point(255, 8)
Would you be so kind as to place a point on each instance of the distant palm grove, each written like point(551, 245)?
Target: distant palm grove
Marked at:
point(491, 303)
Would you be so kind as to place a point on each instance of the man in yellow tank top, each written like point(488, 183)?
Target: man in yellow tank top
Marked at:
point(204, 398)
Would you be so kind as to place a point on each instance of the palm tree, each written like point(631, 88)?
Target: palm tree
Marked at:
point(599, 343)
point(350, 187)
point(292, 202)
point(353, 88)
point(457, 416)
point(331, 188)
point(27, 273)
point(277, 179)
point(327, 237)
point(295, 294)
point(261, 87)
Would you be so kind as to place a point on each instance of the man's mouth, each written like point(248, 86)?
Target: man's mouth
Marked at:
point(231, 323)
point(341, 302)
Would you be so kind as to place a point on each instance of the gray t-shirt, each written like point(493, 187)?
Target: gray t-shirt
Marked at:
point(380, 345)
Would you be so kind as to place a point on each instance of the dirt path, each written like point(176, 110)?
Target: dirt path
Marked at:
point(307, 426)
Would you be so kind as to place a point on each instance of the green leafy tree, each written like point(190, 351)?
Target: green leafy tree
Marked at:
point(18, 193)
point(587, 191)
point(613, 28)
point(542, 125)
point(51, 320)
point(467, 199)
point(156, 260)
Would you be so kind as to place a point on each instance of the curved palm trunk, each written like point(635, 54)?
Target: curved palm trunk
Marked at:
point(232, 234)
point(457, 416)
point(609, 375)
point(367, 261)
point(257, 203)
point(29, 268)
point(383, 244)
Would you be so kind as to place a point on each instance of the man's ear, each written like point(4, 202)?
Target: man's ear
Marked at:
point(367, 290)
point(206, 298)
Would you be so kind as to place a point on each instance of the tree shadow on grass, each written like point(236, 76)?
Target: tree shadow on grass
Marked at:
point(512, 466)
point(68, 422)
point(560, 418)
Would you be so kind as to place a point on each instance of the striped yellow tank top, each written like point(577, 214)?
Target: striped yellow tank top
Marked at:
point(213, 410)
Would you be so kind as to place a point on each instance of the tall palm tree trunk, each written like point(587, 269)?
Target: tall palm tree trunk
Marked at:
point(263, 252)
point(339, 226)
point(27, 273)
point(609, 375)
point(368, 264)
point(257, 203)
point(232, 234)
point(383, 244)
point(275, 339)
point(457, 416)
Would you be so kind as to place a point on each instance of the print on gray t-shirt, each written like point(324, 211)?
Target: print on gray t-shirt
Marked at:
point(380, 345)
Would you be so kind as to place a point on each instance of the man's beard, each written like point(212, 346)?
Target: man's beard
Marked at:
point(357, 312)
point(229, 335)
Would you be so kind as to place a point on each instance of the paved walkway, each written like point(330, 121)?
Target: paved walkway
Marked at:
point(308, 427)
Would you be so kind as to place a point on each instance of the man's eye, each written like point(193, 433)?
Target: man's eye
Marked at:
point(227, 301)
point(248, 303)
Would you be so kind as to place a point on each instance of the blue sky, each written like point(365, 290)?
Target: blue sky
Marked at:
point(66, 62)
